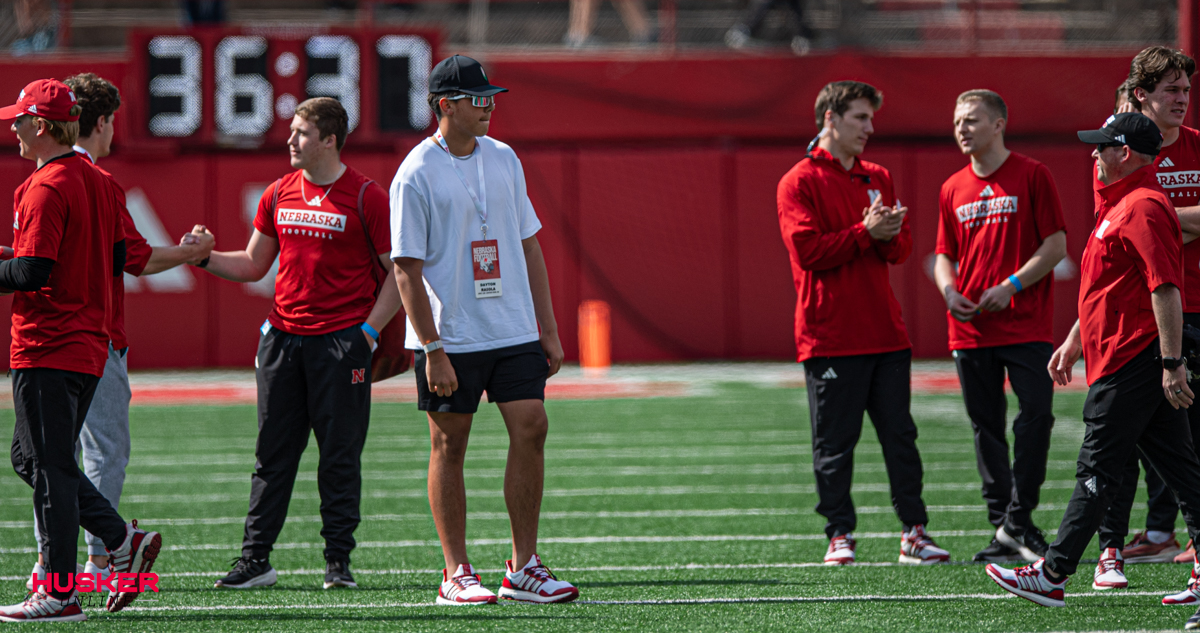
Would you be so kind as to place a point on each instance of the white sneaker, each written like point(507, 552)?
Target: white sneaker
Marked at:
point(1030, 582)
point(1110, 571)
point(463, 588)
point(1191, 595)
point(40, 572)
point(535, 583)
point(917, 548)
point(42, 607)
point(841, 550)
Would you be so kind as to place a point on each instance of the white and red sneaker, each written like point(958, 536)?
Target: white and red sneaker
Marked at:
point(841, 550)
point(1110, 571)
point(1191, 595)
point(1029, 582)
point(535, 583)
point(463, 588)
point(917, 548)
point(135, 556)
point(42, 607)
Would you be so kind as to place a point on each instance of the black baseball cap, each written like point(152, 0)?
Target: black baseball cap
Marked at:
point(461, 74)
point(1131, 128)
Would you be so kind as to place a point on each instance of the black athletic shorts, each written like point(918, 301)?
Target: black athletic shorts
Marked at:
point(507, 374)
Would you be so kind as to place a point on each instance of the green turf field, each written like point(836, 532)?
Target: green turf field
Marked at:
point(669, 514)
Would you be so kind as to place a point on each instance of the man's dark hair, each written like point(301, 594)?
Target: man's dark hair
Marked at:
point(435, 97)
point(992, 101)
point(1126, 90)
point(838, 95)
point(1156, 63)
point(328, 115)
point(98, 98)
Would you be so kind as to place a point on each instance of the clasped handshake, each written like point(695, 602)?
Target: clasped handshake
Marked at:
point(198, 244)
point(883, 223)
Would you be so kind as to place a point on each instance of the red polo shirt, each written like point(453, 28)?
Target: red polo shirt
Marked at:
point(845, 305)
point(1135, 247)
point(67, 211)
point(991, 226)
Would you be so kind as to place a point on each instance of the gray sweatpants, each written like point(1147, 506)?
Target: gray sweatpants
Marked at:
point(103, 446)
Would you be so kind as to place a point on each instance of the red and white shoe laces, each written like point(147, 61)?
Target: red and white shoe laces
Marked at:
point(463, 588)
point(535, 583)
point(1110, 571)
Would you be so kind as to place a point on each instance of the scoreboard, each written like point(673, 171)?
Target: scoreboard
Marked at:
point(239, 87)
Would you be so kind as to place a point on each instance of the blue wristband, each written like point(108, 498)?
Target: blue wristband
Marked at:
point(370, 330)
point(1012, 279)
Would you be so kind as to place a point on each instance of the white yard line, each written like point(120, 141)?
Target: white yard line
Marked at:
point(566, 540)
point(555, 516)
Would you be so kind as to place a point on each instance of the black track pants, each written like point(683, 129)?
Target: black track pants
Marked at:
point(840, 390)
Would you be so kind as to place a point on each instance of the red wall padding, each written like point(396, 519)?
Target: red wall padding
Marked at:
point(655, 182)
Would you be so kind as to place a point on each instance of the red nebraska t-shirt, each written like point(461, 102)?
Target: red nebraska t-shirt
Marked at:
point(1134, 248)
point(66, 211)
point(137, 255)
point(327, 277)
point(845, 304)
point(1179, 174)
point(991, 226)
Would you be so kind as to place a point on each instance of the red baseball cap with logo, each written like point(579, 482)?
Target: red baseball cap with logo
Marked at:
point(50, 99)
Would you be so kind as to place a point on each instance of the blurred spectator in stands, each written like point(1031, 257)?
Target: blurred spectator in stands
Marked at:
point(37, 22)
point(200, 12)
point(633, 14)
point(802, 36)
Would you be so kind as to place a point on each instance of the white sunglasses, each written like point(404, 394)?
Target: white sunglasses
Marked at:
point(478, 102)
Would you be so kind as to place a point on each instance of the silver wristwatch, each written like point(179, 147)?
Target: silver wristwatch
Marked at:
point(431, 346)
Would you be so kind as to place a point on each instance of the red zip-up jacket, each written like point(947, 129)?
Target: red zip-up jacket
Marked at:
point(845, 305)
point(1135, 247)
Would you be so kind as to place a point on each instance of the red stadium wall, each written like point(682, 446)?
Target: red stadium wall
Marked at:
point(655, 181)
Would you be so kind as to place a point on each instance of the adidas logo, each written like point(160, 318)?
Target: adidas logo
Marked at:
point(1091, 485)
point(1166, 163)
point(829, 374)
point(987, 192)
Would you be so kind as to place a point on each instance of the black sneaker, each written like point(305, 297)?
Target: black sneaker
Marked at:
point(1036, 541)
point(337, 574)
point(1193, 622)
point(1028, 542)
point(248, 572)
point(997, 552)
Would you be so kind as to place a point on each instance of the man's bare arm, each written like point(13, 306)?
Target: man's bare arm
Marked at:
point(1043, 260)
point(248, 265)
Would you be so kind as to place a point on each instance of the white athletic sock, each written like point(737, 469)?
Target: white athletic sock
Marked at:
point(1156, 537)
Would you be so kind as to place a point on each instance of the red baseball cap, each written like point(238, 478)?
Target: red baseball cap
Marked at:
point(50, 99)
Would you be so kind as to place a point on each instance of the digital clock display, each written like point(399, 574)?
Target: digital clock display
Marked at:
point(237, 87)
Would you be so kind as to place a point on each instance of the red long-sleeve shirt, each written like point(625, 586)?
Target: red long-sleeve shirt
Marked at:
point(845, 305)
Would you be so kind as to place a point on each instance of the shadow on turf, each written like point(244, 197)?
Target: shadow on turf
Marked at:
point(677, 583)
point(506, 616)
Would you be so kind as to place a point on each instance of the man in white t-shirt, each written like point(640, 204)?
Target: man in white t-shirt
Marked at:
point(474, 286)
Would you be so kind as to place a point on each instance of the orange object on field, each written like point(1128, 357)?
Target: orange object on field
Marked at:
point(595, 344)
